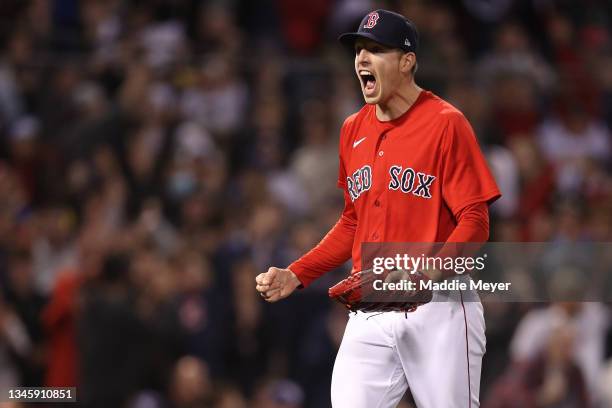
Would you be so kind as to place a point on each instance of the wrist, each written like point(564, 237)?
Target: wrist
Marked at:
point(295, 281)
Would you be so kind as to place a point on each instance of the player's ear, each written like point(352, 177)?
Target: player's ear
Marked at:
point(407, 61)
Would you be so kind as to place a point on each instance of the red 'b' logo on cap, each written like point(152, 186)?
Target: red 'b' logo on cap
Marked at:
point(372, 19)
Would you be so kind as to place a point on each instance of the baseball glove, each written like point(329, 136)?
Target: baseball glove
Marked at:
point(359, 292)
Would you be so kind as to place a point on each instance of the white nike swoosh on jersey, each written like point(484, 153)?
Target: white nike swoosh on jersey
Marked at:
point(359, 141)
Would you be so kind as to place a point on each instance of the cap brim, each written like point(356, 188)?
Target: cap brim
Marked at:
point(348, 39)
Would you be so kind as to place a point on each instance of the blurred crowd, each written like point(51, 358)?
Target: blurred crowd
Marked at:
point(156, 155)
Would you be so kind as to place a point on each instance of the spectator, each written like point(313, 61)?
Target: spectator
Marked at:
point(190, 385)
point(570, 140)
point(583, 323)
point(280, 393)
point(27, 305)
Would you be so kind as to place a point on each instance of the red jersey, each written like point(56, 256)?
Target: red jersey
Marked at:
point(405, 180)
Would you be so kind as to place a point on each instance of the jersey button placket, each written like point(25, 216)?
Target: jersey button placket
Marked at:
point(379, 190)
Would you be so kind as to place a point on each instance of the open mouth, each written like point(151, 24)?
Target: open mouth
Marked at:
point(368, 80)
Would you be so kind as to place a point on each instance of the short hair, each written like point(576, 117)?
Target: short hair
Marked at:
point(414, 68)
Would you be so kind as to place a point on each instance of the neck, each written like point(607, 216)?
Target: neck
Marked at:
point(399, 102)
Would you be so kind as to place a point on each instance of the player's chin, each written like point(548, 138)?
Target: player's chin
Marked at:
point(371, 99)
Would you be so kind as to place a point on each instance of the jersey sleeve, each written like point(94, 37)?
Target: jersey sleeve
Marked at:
point(466, 178)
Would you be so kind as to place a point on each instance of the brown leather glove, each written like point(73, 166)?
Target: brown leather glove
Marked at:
point(359, 291)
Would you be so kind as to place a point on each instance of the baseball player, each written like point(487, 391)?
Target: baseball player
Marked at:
point(411, 171)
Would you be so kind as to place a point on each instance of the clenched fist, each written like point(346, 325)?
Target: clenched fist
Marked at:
point(276, 284)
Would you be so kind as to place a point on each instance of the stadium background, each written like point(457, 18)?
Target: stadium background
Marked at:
point(156, 155)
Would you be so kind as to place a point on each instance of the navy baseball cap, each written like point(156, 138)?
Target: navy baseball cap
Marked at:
point(386, 28)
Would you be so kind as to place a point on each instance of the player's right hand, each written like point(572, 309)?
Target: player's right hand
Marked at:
point(276, 284)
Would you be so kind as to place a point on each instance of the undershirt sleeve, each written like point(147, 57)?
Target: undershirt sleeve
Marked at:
point(472, 224)
point(471, 232)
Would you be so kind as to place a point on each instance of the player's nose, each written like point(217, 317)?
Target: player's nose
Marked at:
point(361, 55)
point(362, 59)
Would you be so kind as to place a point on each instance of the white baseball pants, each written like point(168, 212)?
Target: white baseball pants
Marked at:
point(436, 351)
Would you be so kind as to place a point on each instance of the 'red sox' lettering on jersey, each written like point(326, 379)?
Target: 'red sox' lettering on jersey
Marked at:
point(360, 181)
point(402, 179)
